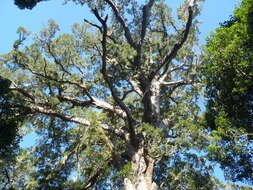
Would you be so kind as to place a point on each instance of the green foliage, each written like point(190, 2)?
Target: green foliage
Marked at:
point(27, 4)
point(11, 117)
point(126, 171)
point(105, 109)
point(228, 70)
point(12, 114)
point(68, 154)
point(228, 73)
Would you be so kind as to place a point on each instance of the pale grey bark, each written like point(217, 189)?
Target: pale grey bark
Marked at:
point(142, 173)
point(155, 100)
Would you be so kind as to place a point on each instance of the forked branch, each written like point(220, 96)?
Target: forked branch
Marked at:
point(173, 53)
point(107, 78)
point(122, 22)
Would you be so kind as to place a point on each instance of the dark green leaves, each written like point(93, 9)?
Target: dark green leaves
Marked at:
point(228, 73)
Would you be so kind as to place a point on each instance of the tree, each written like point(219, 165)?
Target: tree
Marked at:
point(126, 87)
point(228, 73)
point(11, 117)
point(115, 102)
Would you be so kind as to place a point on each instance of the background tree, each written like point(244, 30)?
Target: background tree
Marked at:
point(12, 116)
point(228, 74)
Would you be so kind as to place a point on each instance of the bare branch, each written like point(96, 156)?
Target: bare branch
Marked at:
point(174, 26)
point(100, 29)
point(50, 112)
point(48, 77)
point(93, 24)
point(167, 71)
point(126, 94)
point(94, 102)
point(176, 83)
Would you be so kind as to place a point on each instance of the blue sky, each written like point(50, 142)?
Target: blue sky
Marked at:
point(214, 11)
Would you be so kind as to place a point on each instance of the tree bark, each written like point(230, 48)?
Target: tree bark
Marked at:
point(142, 173)
point(151, 102)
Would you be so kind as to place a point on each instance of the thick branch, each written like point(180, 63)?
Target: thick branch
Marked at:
point(122, 22)
point(35, 108)
point(106, 106)
point(179, 82)
point(95, 102)
point(82, 121)
point(145, 18)
point(136, 88)
point(50, 112)
point(171, 55)
point(107, 79)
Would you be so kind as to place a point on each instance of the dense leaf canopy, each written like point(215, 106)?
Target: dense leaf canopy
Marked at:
point(12, 115)
point(229, 78)
point(27, 4)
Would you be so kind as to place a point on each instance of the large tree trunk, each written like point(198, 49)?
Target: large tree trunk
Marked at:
point(142, 168)
point(151, 102)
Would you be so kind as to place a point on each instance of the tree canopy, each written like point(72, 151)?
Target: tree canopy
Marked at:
point(115, 103)
point(27, 4)
point(228, 74)
point(12, 115)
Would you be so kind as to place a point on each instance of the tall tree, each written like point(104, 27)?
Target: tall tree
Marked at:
point(229, 78)
point(126, 86)
point(115, 101)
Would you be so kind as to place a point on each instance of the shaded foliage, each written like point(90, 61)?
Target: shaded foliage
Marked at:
point(12, 114)
point(228, 73)
point(27, 4)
